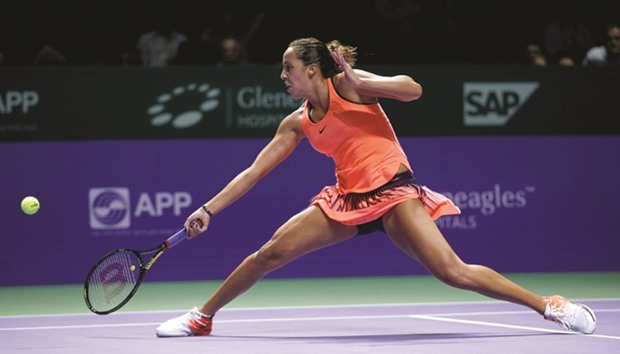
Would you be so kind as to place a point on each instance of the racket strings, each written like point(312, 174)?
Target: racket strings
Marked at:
point(113, 280)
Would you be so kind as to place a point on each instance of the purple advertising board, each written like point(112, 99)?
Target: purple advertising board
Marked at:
point(529, 204)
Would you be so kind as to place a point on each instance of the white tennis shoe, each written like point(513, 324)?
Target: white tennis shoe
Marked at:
point(572, 317)
point(192, 323)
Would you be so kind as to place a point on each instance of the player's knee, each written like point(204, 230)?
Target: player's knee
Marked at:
point(269, 256)
point(454, 274)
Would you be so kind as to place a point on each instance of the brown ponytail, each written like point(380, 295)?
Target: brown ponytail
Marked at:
point(348, 53)
point(311, 50)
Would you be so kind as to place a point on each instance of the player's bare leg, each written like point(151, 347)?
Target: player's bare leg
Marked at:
point(414, 232)
point(305, 232)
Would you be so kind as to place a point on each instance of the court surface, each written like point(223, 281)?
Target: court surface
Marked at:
point(473, 325)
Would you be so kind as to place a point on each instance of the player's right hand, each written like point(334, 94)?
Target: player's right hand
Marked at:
point(196, 223)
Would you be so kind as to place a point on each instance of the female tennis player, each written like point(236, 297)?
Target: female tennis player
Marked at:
point(375, 189)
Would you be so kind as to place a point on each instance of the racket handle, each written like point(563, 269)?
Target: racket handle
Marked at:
point(176, 238)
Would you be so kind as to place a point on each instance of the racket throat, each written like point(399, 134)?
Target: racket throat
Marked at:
point(148, 264)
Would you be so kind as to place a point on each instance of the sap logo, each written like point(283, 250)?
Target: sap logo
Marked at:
point(20, 101)
point(494, 103)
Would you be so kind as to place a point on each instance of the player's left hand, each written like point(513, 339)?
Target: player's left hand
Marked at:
point(349, 74)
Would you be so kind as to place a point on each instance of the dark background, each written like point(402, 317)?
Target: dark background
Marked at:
point(458, 31)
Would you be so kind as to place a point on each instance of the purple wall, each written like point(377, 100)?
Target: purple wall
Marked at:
point(529, 204)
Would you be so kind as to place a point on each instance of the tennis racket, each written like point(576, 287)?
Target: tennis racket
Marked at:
point(116, 276)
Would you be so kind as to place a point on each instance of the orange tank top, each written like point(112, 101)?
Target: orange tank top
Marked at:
point(360, 140)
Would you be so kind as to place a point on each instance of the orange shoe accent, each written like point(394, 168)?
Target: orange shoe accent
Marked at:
point(200, 327)
point(570, 316)
point(556, 302)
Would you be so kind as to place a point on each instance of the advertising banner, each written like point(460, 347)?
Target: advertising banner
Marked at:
point(112, 103)
point(529, 204)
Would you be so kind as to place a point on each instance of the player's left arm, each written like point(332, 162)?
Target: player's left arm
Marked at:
point(368, 85)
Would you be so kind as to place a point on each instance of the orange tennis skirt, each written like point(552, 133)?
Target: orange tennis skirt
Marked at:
point(361, 208)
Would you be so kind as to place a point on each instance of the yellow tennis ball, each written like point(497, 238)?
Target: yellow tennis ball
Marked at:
point(132, 268)
point(30, 205)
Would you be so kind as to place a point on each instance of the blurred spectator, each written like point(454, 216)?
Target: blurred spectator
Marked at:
point(240, 24)
point(230, 52)
point(224, 41)
point(566, 39)
point(397, 15)
point(196, 51)
point(426, 25)
point(608, 53)
point(535, 55)
point(431, 31)
point(49, 56)
point(159, 47)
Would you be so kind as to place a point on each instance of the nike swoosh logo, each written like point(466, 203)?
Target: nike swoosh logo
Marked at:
point(321, 130)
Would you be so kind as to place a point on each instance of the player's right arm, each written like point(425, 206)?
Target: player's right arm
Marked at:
point(365, 87)
point(284, 142)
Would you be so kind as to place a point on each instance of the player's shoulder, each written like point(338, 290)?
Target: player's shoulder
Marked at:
point(296, 114)
point(293, 120)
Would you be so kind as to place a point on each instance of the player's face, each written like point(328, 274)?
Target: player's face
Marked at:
point(294, 74)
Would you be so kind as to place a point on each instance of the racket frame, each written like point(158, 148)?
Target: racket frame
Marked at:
point(144, 268)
